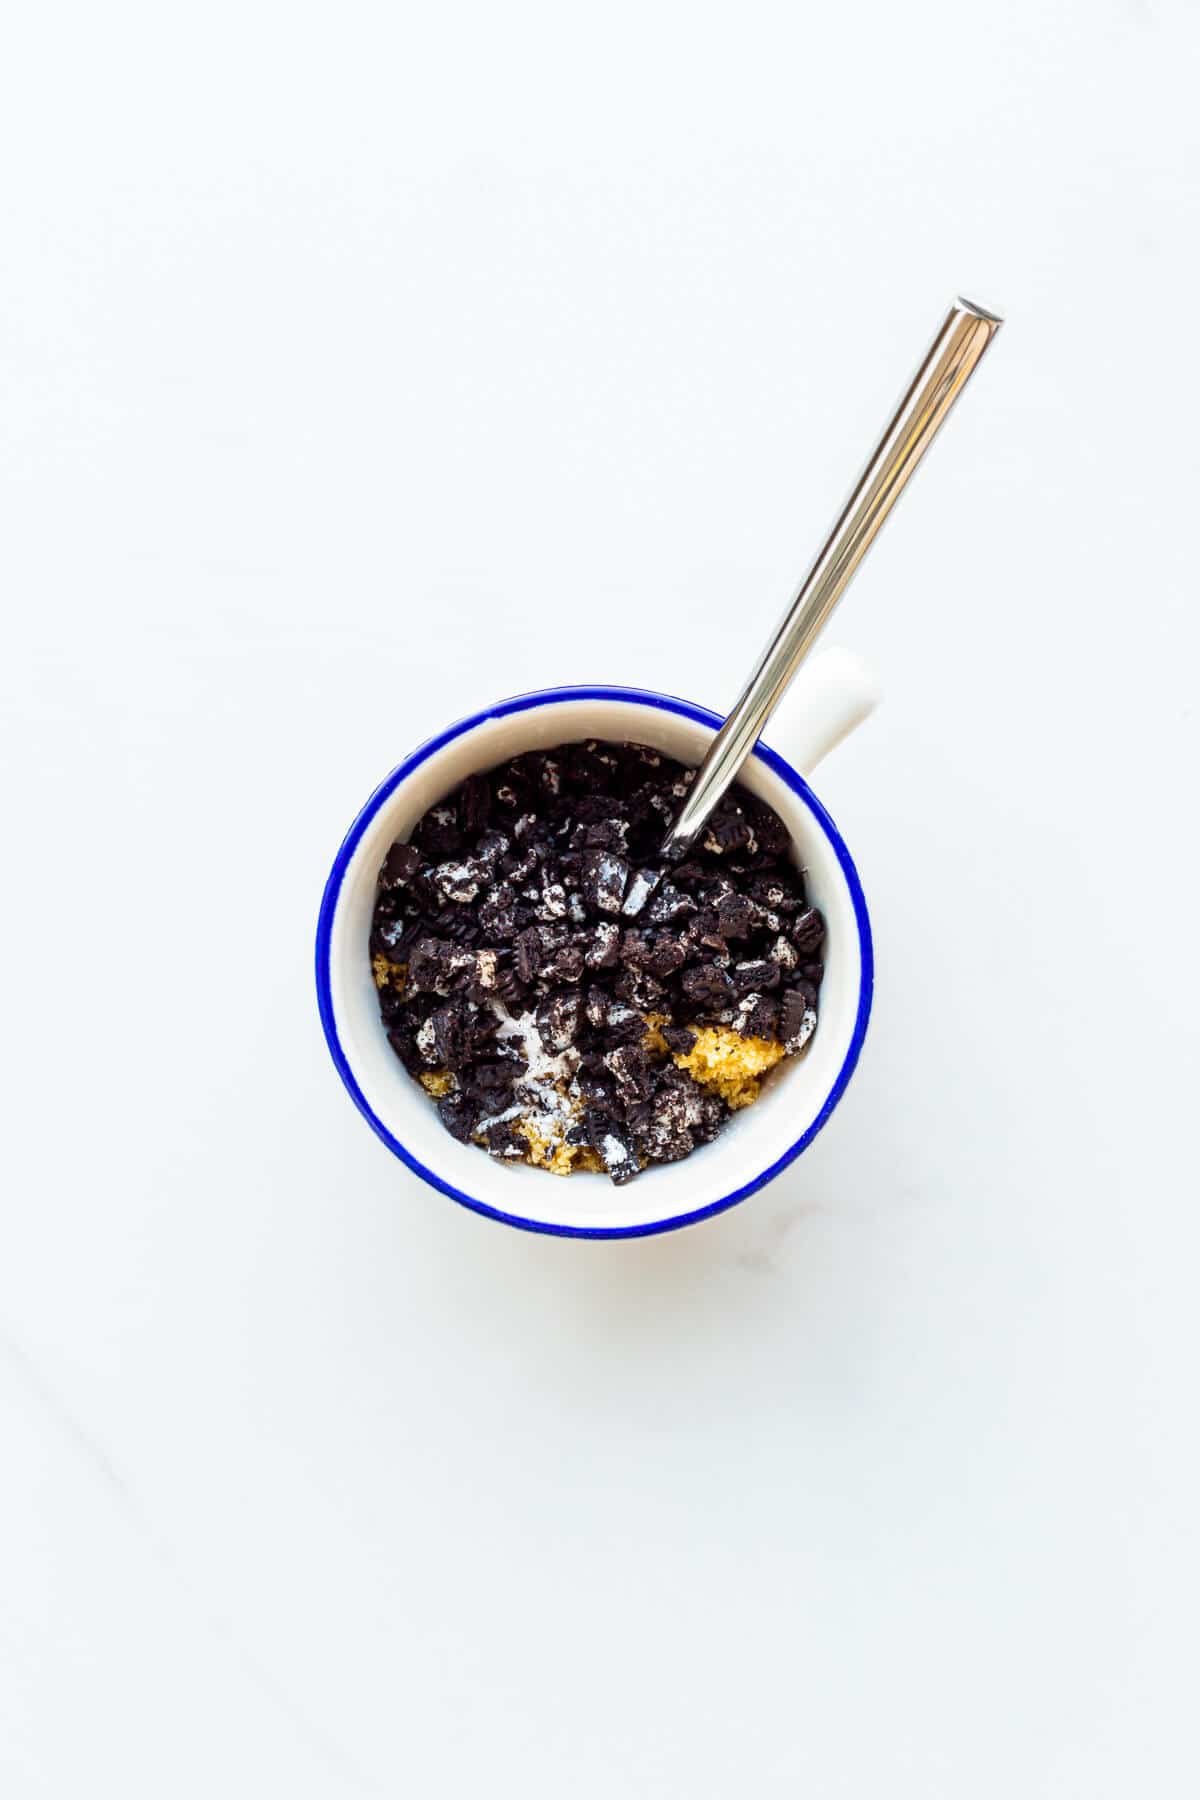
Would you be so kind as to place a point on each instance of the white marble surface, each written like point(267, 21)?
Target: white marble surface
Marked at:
point(360, 365)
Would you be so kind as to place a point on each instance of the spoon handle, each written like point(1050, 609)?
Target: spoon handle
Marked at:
point(948, 365)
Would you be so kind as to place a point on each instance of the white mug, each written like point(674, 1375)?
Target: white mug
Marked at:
point(832, 694)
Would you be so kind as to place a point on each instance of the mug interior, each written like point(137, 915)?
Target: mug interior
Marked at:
point(798, 1095)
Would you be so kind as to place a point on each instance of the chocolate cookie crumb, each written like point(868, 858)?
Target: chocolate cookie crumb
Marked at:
point(566, 998)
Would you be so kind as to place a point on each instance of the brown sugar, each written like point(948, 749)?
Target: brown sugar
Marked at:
point(389, 974)
point(729, 1063)
point(437, 1082)
point(550, 1153)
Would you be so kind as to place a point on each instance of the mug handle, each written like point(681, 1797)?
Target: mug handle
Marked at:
point(832, 694)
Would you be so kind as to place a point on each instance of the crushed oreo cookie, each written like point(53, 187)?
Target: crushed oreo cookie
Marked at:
point(565, 997)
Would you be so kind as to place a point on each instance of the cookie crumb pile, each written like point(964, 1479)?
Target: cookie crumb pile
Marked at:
point(568, 999)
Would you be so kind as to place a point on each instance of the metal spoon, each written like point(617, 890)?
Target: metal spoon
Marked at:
point(948, 365)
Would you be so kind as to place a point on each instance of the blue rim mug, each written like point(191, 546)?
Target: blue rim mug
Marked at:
point(832, 694)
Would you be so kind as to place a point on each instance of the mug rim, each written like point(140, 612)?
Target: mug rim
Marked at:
point(518, 703)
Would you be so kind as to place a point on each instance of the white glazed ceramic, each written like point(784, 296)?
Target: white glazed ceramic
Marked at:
point(831, 695)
